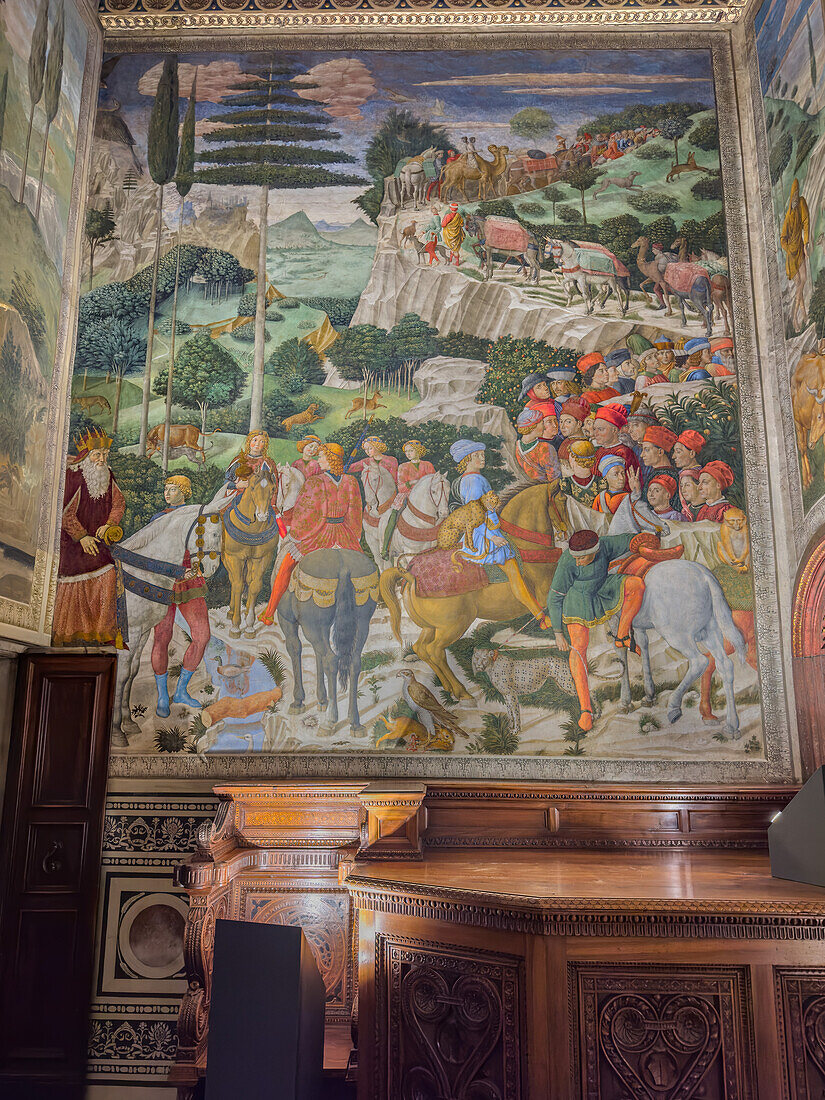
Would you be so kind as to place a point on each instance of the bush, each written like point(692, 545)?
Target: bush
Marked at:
point(247, 305)
point(277, 405)
point(288, 303)
point(164, 327)
point(708, 189)
point(233, 419)
point(653, 151)
point(306, 325)
point(141, 482)
point(499, 208)
point(509, 362)
point(296, 357)
point(618, 234)
point(567, 214)
point(535, 209)
point(653, 202)
point(274, 315)
point(339, 310)
point(246, 333)
point(705, 134)
point(463, 345)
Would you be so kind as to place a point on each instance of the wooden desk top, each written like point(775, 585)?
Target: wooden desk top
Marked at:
point(717, 893)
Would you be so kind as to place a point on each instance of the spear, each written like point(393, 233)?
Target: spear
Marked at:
point(354, 452)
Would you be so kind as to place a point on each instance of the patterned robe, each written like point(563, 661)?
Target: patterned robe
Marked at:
point(538, 459)
point(308, 466)
point(328, 514)
point(410, 472)
point(85, 605)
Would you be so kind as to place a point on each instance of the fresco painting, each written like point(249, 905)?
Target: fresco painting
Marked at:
point(42, 52)
point(405, 408)
point(790, 40)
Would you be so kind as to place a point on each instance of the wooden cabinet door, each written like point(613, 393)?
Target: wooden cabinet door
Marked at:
point(49, 870)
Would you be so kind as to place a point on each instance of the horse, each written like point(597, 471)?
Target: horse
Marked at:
point(332, 599)
point(530, 255)
point(417, 527)
point(151, 551)
point(443, 620)
point(379, 493)
point(250, 540)
point(683, 602)
point(566, 257)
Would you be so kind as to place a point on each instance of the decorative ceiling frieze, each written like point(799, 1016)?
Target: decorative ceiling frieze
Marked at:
point(158, 15)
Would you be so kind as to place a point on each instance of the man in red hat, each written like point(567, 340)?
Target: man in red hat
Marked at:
point(657, 444)
point(661, 490)
point(93, 506)
point(595, 378)
point(572, 415)
point(686, 449)
point(716, 477)
point(609, 421)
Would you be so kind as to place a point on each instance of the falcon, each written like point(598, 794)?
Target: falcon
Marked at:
point(426, 707)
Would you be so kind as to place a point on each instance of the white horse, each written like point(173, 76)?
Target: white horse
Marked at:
point(575, 278)
point(685, 603)
point(163, 541)
point(379, 492)
point(427, 506)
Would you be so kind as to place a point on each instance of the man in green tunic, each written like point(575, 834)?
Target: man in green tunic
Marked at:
point(584, 593)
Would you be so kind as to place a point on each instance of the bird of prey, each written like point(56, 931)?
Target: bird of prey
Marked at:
point(106, 68)
point(426, 707)
point(111, 126)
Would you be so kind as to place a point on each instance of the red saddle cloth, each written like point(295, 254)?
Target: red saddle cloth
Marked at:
point(437, 575)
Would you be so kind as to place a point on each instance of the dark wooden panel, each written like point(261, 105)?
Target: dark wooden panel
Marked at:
point(800, 997)
point(49, 866)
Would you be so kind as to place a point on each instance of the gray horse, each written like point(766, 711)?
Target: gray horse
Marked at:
point(331, 598)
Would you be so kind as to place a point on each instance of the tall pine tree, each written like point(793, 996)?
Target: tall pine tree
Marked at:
point(267, 138)
point(184, 178)
point(54, 81)
point(37, 68)
point(163, 158)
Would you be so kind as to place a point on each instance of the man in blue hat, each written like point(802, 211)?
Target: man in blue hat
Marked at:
point(489, 546)
point(621, 370)
point(698, 356)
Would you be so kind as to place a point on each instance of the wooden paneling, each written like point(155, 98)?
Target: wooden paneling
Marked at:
point(800, 998)
point(52, 824)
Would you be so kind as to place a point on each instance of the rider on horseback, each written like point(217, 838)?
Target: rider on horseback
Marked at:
point(489, 546)
point(585, 593)
point(409, 473)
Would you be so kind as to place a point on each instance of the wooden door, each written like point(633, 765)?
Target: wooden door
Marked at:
point(49, 870)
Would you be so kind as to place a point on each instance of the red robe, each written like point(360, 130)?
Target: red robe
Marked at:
point(308, 467)
point(328, 514)
point(715, 511)
point(85, 604)
point(409, 473)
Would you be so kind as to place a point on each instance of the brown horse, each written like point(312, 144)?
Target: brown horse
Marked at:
point(250, 540)
point(443, 620)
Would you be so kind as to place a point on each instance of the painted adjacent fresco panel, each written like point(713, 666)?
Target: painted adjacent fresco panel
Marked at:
point(446, 461)
point(790, 40)
point(43, 47)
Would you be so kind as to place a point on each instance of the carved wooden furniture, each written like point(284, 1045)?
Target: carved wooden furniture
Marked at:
point(296, 852)
point(49, 868)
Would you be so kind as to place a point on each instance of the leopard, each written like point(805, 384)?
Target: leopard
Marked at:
point(512, 677)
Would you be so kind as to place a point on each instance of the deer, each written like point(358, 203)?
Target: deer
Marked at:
point(359, 404)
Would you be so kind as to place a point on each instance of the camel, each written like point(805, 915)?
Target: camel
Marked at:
point(719, 283)
point(486, 173)
point(650, 270)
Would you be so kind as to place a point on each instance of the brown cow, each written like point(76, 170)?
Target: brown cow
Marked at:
point(180, 435)
point(808, 402)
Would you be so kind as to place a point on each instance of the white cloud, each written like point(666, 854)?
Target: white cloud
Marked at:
point(342, 85)
point(215, 80)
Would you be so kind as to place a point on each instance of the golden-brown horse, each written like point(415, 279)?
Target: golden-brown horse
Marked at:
point(250, 540)
point(445, 619)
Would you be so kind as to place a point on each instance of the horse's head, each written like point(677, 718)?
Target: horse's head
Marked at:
point(438, 491)
point(290, 483)
point(257, 496)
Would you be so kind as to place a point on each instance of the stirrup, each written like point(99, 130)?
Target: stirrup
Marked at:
point(628, 641)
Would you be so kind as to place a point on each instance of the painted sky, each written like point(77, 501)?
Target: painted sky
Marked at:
point(782, 38)
point(466, 92)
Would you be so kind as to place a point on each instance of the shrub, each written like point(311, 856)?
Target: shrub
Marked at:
point(288, 303)
point(463, 345)
point(182, 328)
point(247, 305)
point(246, 333)
point(705, 134)
point(708, 189)
point(277, 405)
point(339, 310)
point(533, 208)
point(296, 357)
point(274, 315)
point(654, 202)
point(307, 325)
point(567, 214)
point(509, 362)
point(653, 151)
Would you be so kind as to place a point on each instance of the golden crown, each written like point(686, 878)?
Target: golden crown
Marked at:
point(93, 441)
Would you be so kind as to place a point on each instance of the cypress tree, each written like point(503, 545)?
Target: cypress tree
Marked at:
point(37, 66)
point(54, 81)
point(266, 137)
point(184, 178)
point(4, 87)
point(163, 157)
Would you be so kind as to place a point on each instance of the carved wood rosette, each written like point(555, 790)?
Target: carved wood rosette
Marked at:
point(393, 820)
point(455, 1021)
point(800, 997)
point(656, 1033)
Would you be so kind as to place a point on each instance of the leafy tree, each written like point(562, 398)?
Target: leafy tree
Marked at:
point(581, 177)
point(339, 310)
point(100, 228)
point(640, 114)
point(16, 405)
point(553, 195)
point(673, 127)
point(532, 123)
point(714, 413)
point(618, 234)
point(509, 361)
point(567, 214)
point(464, 345)
point(278, 405)
point(112, 345)
point(297, 357)
point(413, 340)
point(653, 202)
point(708, 189)
point(4, 88)
point(54, 80)
point(806, 139)
point(206, 375)
point(780, 156)
point(816, 309)
point(400, 135)
point(359, 350)
point(37, 67)
point(184, 178)
point(705, 134)
point(662, 229)
point(163, 155)
point(273, 143)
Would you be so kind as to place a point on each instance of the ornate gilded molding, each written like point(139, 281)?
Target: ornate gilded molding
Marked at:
point(313, 15)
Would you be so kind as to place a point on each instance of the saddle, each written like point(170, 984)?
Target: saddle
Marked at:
point(437, 575)
point(646, 553)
